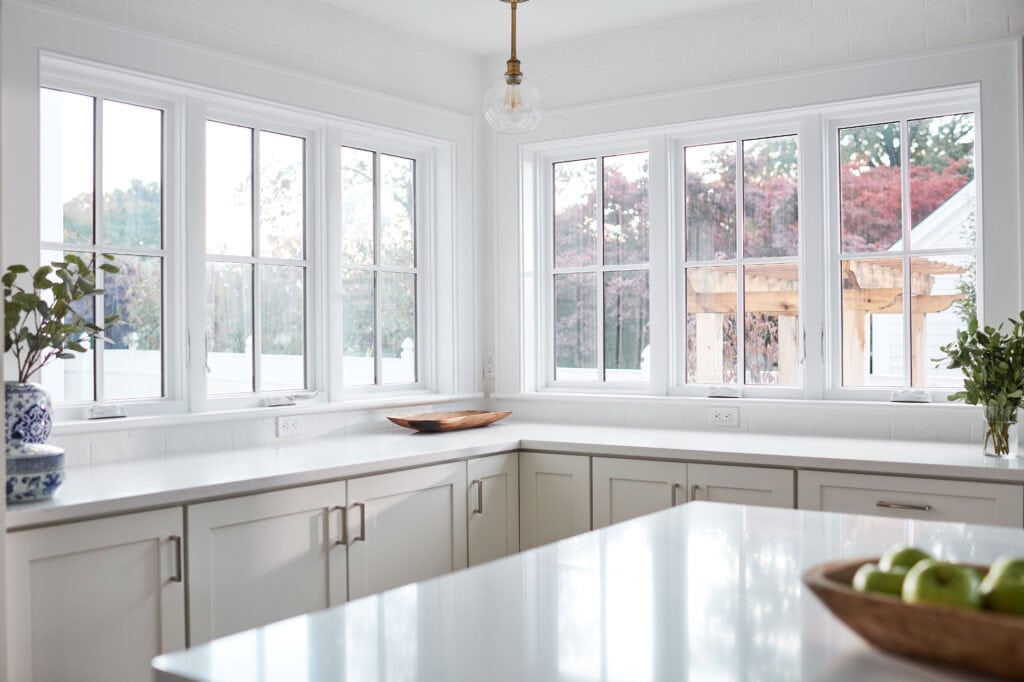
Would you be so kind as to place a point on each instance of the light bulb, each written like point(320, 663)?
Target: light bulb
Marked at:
point(512, 107)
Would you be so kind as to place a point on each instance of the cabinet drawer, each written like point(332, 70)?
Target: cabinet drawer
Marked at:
point(916, 498)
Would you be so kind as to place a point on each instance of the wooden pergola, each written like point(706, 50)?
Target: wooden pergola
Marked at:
point(871, 286)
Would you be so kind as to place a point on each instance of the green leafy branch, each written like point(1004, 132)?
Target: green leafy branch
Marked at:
point(41, 322)
point(992, 362)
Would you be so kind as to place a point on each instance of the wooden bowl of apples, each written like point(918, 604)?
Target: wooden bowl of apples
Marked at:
point(966, 616)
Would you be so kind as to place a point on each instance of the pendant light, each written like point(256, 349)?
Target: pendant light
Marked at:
point(512, 104)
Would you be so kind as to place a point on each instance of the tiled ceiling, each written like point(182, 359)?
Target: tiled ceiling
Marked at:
point(481, 26)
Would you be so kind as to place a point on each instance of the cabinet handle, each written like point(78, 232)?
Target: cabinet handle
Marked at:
point(176, 539)
point(693, 491)
point(344, 525)
point(675, 489)
point(479, 495)
point(362, 522)
point(910, 507)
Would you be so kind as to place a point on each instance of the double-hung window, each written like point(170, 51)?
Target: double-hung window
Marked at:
point(907, 255)
point(102, 166)
point(256, 260)
point(600, 270)
point(380, 269)
point(742, 270)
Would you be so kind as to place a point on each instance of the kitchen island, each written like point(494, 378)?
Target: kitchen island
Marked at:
point(702, 591)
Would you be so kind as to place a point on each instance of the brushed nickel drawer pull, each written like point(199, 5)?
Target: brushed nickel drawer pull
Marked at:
point(479, 496)
point(343, 540)
point(909, 507)
point(176, 539)
point(675, 496)
point(362, 522)
point(693, 492)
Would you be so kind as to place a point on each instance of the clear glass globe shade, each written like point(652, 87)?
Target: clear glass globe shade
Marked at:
point(513, 108)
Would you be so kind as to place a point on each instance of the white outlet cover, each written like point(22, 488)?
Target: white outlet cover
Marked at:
point(288, 426)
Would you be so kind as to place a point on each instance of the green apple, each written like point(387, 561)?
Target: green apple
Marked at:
point(942, 584)
point(1002, 589)
point(903, 557)
point(870, 578)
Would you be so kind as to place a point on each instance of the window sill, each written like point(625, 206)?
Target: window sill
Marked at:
point(79, 426)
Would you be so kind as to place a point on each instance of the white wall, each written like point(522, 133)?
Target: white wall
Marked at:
point(310, 36)
point(759, 39)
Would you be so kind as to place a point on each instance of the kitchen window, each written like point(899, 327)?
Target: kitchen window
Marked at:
point(380, 269)
point(102, 169)
point(600, 270)
point(256, 265)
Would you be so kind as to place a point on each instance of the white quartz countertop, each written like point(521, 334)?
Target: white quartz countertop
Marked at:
point(131, 485)
point(702, 591)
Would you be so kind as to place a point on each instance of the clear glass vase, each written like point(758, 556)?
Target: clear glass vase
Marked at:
point(1000, 432)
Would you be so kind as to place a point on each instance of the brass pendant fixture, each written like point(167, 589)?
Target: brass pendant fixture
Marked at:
point(512, 104)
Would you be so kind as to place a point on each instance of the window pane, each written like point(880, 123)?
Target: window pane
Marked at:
point(770, 225)
point(282, 187)
point(397, 327)
point(576, 327)
point(358, 328)
point(627, 227)
point(873, 322)
point(132, 173)
point(229, 366)
point(397, 211)
point(72, 381)
point(575, 205)
point(942, 192)
point(627, 349)
point(711, 325)
point(66, 167)
point(711, 201)
point(282, 336)
point(771, 303)
point(870, 188)
point(943, 301)
point(133, 352)
point(228, 189)
point(356, 206)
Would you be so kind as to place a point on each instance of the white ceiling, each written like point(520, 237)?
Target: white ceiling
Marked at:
point(482, 26)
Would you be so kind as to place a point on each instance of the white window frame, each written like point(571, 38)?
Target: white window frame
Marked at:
point(422, 259)
point(544, 263)
point(75, 78)
point(270, 119)
point(186, 109)
point(820, 316)
point(886, 110)
point(736, 133)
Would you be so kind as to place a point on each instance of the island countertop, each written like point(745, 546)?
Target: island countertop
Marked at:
point(703, 591)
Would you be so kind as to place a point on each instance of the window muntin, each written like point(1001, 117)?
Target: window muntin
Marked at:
point(600, 269)
point(101, 191)
point(256, 266)
point(762, 254)
point(906, 224)
point(380, 269)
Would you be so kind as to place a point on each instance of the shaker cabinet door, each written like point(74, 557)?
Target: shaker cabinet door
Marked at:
point(493, 507)
point(758, 486)
point(627, 488)
point(554, 500)
point(257, 559)
point(95, 600)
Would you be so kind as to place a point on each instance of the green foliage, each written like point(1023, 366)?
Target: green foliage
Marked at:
point(992, 362)
point(45, 321)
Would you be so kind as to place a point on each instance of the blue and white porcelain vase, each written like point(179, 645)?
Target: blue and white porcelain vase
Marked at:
point(27, 413)
point(34, 471)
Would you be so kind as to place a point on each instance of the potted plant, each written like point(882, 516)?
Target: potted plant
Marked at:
point(992, 362)
point(44, 321)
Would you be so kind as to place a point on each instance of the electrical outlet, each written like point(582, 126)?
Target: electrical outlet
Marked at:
point(288, 426)
point(489, 361)
point(724, 416)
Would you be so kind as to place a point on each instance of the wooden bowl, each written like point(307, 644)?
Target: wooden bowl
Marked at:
point(448, 421)
point(981, 641)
